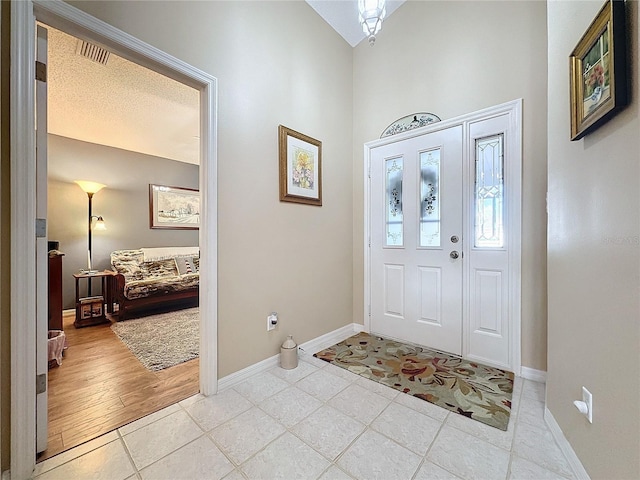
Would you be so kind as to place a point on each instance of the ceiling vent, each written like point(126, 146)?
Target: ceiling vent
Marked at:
point(92, 52)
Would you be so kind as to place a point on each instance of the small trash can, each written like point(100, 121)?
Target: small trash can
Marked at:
point(289, 354)
point(55, 346)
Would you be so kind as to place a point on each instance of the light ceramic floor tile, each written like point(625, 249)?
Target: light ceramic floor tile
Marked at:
point(478, 459)
point(69, 455)
point(285, 458)
point(235, 475)
point(373, 456)
point(538, 445)
point(342, 373)
point(422, 406)
point(191, 400)
point(133, 426)
point(214, 410)
point(315, 361)
point(410, 429)
point(334, 473)
point(522, 469)
point(322, 385)
point(152, 442)
point(497, 437)
point(431, 471)
point(246, 434)
point(198, 459)
point(378, 388)
point(533, 390)
point(531, 411)
point(328, 431)
point(260, 387)
point(295, 374)
point(290, 406)
point(109, 462)
point(359, 403)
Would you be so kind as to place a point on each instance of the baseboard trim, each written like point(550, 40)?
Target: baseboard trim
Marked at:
point(331, 338)
point(574, 462)
point(310, 347)
point(533, 374)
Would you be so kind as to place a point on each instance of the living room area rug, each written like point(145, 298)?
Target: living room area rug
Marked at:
point(163, 340)
point(471, 389)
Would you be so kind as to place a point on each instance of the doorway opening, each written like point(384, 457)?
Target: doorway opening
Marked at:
point(116, 123)
point(23, 222)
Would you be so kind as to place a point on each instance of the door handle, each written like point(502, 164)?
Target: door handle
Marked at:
point(454, 254)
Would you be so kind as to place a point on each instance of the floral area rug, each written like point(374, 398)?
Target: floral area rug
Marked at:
point(476, 391)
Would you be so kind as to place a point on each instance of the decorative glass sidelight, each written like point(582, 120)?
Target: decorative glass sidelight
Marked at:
point(489, 192)
point(430, 198)
point(394, 218)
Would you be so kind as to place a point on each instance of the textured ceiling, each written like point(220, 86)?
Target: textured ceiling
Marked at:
point(120, 104)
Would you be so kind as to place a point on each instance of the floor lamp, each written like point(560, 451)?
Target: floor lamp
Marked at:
point(91, 188)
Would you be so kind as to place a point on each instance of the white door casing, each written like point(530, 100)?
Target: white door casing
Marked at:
point(491, 277)
point(63, 16)
point(413, 274)
point(42, 307)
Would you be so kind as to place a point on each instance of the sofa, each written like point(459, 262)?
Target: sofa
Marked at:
point(154, 278)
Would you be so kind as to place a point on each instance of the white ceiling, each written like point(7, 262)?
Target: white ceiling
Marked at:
point(126, 106)
point(342, 15)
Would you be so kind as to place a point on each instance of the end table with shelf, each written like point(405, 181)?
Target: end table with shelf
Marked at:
point(90, 309)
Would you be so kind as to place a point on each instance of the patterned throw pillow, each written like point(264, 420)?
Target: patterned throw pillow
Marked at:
point(185, 265)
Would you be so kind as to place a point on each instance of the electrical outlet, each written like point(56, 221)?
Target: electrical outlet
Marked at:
point(272, 321)
point(587, 398)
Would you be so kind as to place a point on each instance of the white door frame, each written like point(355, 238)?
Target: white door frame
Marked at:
point(513, 149)
point(23, 332)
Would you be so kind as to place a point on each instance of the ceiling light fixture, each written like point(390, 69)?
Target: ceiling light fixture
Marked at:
point(372, 13)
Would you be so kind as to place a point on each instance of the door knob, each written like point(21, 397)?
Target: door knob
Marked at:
point(454, 239)
point(454, 254)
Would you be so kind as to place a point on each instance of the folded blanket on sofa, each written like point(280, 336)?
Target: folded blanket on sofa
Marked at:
point(161, 253)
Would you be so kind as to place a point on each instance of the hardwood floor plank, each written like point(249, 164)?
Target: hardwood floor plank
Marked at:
point(101, 386)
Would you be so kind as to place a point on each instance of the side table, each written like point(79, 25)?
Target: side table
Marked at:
point(90, 310)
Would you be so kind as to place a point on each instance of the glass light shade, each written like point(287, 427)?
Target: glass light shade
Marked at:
point(100, 225)
point(371, 14)
point(90, 187)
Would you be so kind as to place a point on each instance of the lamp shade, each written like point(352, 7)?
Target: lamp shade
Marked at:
point(100, 225)
point(90, 187)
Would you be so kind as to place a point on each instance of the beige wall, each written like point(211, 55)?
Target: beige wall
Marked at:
point(452, 58)
point(276, 63)
point(594, 263)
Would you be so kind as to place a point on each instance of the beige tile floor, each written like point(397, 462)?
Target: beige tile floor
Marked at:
point(318, 422)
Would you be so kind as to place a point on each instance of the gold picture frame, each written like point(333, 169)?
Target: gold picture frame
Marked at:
point(598, 77)
point(300, 167)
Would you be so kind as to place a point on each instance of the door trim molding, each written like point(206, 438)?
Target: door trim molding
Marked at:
point(22, 160)
point(514, 110)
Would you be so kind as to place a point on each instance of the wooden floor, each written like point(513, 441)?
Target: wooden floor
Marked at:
point(101, 386)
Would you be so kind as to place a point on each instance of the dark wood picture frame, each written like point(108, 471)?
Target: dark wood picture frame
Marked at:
point(174, 208)
point(598, 71)
point(300, 158)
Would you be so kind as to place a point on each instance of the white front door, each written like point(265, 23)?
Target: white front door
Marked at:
point(416, 240)
point(444, 205)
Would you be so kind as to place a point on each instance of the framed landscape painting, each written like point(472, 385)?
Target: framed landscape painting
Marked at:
point(174, 207)
point(300, 167)
point(598, 64)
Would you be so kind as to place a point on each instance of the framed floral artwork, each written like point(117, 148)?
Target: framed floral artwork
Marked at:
point(598, 65)
point(174, 208)
point(300, 167)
